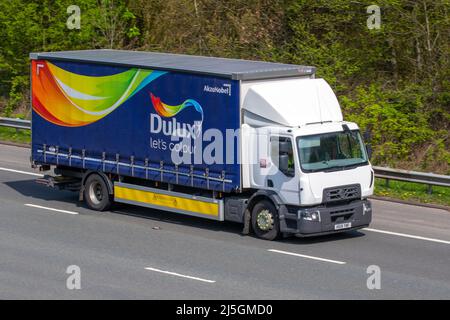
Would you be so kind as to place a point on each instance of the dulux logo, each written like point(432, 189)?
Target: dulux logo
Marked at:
point(225, 89)
point(173, 127)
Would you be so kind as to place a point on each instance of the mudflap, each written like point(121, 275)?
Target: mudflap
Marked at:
point(247, 218)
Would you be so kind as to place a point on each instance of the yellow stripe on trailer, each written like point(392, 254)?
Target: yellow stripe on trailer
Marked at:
point(162, 199)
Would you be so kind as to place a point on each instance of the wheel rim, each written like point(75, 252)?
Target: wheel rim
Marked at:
point(95, 192)
point(265, 220)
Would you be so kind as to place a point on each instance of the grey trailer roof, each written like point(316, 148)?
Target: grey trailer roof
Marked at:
point(235, 69)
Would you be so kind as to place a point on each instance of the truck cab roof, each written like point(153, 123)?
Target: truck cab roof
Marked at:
point(290, 103)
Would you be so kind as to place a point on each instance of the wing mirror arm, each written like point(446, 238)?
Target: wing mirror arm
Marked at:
point(368, 145)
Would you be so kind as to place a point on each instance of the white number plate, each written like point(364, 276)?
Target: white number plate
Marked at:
point(340, 226)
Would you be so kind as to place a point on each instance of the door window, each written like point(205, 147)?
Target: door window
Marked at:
point(282, 154)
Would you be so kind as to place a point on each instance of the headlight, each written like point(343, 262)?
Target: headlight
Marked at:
point(366, 207)
point(309, 215)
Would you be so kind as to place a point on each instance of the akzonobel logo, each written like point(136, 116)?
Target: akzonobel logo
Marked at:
point(224, 89)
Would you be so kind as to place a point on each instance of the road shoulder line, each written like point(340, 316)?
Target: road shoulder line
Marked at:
point(50, 209)
point(405, 235)
point(306, 256)
point(21, 172)
point(180, 275)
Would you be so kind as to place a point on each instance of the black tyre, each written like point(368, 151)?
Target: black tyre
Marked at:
point(96, 193)
point(265, 221)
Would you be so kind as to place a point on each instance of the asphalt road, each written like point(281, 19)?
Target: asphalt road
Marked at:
point(135, 253)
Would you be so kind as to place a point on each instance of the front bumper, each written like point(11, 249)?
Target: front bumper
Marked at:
point(352, 215)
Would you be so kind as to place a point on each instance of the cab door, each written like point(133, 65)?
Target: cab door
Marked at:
point(283, 174)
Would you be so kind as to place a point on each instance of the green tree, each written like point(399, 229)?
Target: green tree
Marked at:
point(392, 81)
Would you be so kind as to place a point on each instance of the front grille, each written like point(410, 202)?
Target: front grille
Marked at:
point(342, 215)
point(343, 193)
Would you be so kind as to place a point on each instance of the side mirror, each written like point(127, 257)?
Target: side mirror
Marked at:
point(369, 150)
point(367, 137)
point(284, 163)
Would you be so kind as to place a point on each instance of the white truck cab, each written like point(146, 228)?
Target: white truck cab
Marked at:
point(297, 149)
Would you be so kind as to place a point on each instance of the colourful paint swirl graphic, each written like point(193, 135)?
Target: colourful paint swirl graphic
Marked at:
point(73, 100)
point(168, 111)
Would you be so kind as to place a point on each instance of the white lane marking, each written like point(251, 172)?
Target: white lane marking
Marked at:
point(305, 256)
point(22, 172)
point(51, 209)
point(180, 275)
point(407, 235)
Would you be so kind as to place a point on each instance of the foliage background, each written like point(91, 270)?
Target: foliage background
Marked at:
point(394, 81)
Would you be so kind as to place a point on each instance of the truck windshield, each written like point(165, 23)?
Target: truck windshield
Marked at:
point(331, 151)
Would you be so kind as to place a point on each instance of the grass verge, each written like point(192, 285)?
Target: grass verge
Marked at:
point(412, 192)
point(13, 135)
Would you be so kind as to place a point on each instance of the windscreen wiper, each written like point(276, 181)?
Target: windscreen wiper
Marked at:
point(334, 168)
point(354, 165)
point(341, 168)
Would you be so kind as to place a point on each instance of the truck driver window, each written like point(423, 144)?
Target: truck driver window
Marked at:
point(331, 151)
point(282, 155)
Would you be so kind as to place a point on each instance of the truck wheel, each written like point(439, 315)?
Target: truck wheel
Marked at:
point(96, 193)
point(265, 222)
